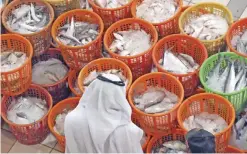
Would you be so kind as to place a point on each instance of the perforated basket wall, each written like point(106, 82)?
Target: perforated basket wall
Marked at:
point(110, 16)
point(186, 45)
point(77, 57)
point(69, 104)
point(213, 104)
point(213, 46)
point(40, 40)
point(18, 80)
point(167, 27)
point(159, 122)
point(141, 63)
point(72, 80)
point(58, 90)
point(33, 133)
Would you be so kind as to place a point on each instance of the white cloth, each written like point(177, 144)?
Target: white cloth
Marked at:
point(101, 123)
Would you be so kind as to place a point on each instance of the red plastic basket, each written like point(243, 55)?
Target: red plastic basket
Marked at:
point(235, 29)
point(104, 64)
point(159, 122)
point(33, 133)
point(213, 104)
point(16, 81)
point(135, 120)
point(139, 64)
point(231, 149)
point(69, 103)
point(167, 27)
point(110, 16)
point(172, 135)
point(182, 44)
point(77, 57)
point(40, 40)
point(73, 75)
point(58, 90)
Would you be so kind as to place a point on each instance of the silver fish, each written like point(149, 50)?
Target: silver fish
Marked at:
point(213, 123)
point(207, 27)
point(130, 43)
point(178, 63)
point(156, 11)
point(77, 33)
point(111, 3)
point(12, 59)
point(227, 79)
point(59, 122)
point(239, 42)
point(28, 19)
point(175, 146)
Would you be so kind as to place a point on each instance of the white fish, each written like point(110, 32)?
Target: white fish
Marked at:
point(212, 123)
point(59, 122)
point(48, 72)
point(206, 27)
point(178, 63)
point(111, 3)
point(26, 110)
point(239, 42)
point(130, 43)
point(12, 59)
point(77, 33)
point(174, 146)
point(156, 11)
point(28, 19)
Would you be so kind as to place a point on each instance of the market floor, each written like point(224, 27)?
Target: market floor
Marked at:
point(9, 143)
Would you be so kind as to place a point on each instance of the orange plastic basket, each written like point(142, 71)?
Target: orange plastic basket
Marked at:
point(77, 57)
point(40, 40)
point(58, 90)
point(182, 44)
point(235, 29)
point(16, 81)
point(159, 122)
point(139, 64)
point(231, 149)
point(135, 120)
point(158, 140)
point(70, 104)
point(164, 28)
point(33, 133)
point(73, 75)
point(110, 16)
point(104, 64)
point(213, 104)
point(213, 46)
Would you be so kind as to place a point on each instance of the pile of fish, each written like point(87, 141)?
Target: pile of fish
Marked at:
point(239, 42)
point(77, 33)
point(11, 59)
point(111, 3)
point(171, 147)
point(207, 27)
point(239, 136)
point(26, 110)
point(229, 79)
point(155, 100)
point(212, 123)
point(178, 62)
point(130, 43)
point(28, 19)
point(94, 74)
point(48, 72)
point(59, 122)
point(156, 11)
